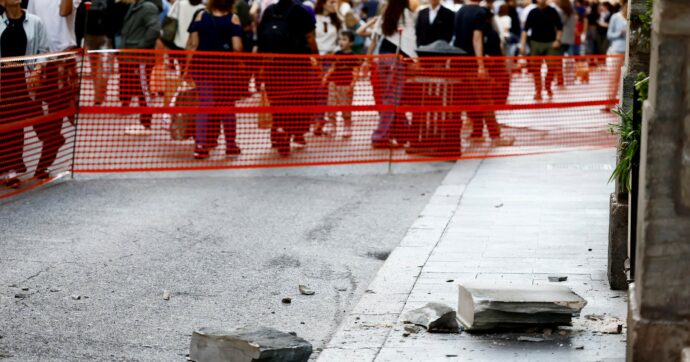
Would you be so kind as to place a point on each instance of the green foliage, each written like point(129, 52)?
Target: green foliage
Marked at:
point(642, 86)
point(627, 148)
point(646, 19)
point(629, 136)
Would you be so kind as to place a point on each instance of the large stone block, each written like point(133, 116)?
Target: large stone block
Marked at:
point(247, 345)
point(504, 307)
point(618, 243)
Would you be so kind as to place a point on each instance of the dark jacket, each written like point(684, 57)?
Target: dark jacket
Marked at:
point(141, 26)
point(441, 29)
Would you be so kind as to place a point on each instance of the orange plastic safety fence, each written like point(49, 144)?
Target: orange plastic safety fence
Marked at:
point(176, 110)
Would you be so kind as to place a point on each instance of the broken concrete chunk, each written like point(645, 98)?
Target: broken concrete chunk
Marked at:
point(510, 307)
point(435, 317)
point(412, 328)
point(247, 345)
point(286, 300)
point(558, 278)
point(166, 294)
point(76, 297)
point(304, 290)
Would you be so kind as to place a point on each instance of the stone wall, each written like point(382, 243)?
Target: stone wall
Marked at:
point(660, 300)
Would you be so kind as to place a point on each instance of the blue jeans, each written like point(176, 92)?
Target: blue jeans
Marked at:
point(208, 126)
point(388, 90)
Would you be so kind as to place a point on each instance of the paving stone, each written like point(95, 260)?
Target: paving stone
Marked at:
point(482, 308)
point(247, 345)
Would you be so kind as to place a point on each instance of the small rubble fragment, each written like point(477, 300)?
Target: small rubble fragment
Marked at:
point(530, 339)
point(21, 295)
point(286, 300)
point(26, 289)
point(166, 294)
point(53, 290)
point(76, 297)
point(579, 347)
point(412, 328)
point(305, 290)
point(247, 345)
point(558, 278)
point(435, 317)
point(510, 307)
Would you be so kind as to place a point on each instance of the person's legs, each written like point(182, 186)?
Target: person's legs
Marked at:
point(534, 67)
point(145, 118)
point(390, 90)
point(554, 68)
point(98, 76)
point(204, 89)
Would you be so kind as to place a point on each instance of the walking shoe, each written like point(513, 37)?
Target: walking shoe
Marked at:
point(42, 174)
point(549, 93)
point(138, 130)
point(299, 141)
point(232, 150)
point(476, 139)
point(347, 132)
point(503, 141)
point(537, 96)
point(10, 179)
point(200, 153)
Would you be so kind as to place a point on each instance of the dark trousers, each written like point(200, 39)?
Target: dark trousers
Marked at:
point(285, 80)
point(131, 85)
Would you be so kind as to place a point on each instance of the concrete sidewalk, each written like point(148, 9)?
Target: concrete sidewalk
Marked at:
point(499, 221)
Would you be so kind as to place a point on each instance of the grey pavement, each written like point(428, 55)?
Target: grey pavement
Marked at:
point(503, 221)
point(97, 252)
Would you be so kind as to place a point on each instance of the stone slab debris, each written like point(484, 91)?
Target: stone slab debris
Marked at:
point(435, 317)
point(248, 345)
point(558, 278)
point(166, 295)
point(305, 290)
point(508, 307)
point(412, 328)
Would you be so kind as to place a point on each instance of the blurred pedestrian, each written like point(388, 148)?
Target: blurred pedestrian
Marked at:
point(545, 30)
point(20, 34)
point(288, 28)
point(393, 34)
point(217, 30)
point(140, 30)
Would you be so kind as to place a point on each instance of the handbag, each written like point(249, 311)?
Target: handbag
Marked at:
point(169, 26)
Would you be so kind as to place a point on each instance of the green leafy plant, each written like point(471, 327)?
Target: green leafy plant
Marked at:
point(629, 136)
point(646, 19)
point(627, 147)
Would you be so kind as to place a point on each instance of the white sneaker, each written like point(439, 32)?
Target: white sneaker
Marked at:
point(138, 130)
point(347, 132)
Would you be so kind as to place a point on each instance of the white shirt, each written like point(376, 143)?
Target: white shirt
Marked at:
point(326, 35)
point(450, 4)
point(407, 39)
point(60, 30)
point(504, 24)
point(433, 12)
point(183, 11)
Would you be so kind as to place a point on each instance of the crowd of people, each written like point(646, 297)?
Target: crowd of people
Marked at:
point(484, 29)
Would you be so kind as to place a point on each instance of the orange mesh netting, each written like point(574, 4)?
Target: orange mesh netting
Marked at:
point(150, 110)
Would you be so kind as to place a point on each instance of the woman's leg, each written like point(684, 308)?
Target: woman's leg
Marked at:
point(204, 89)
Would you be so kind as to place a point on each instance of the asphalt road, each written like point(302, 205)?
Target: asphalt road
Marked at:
point(97, 254)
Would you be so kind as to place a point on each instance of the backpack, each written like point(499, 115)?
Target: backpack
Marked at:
point(274, 32)
point(97, 18)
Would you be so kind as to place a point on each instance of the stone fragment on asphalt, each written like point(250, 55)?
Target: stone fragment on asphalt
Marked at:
point(26, 289)
point(305, 290)
point(530, 339)
point(286, 300)
point(509, 307)
point(166, 294)
point(21, 295)
point(247, 345)
point(558, 278)
point(76, 297)
point(435, 317)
